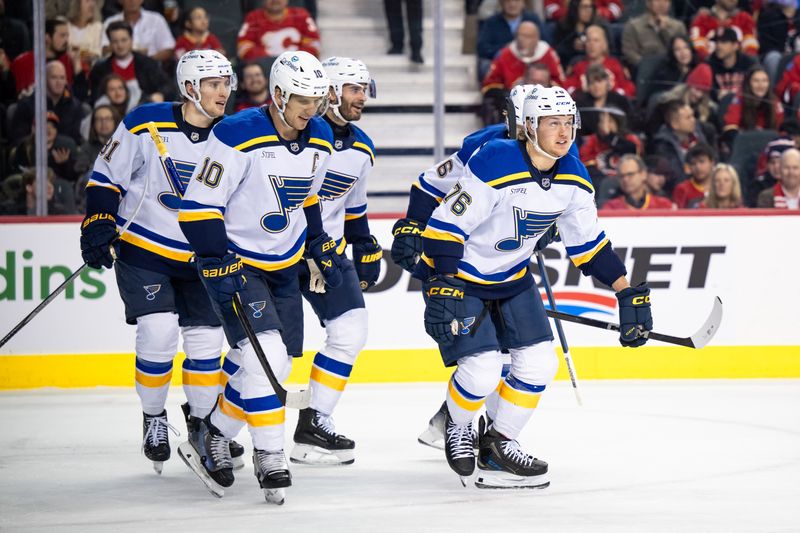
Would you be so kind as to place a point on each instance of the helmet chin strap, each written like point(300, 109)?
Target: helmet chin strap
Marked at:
point(538, 149)
point(196, 102)
point(281, 111)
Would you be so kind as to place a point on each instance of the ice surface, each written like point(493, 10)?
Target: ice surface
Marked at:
point(639, 456)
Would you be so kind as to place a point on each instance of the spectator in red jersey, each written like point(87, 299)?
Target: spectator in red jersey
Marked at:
point(268, 32)
point(570, 34)
point(499, 30)
point(723, 14)
point(786, 193)
point(597, 54)
point(601, 152)
point(508, 69)
point(142, 74)
point(690, 192)
point(633, 186)
point(650, 33)
point(151, 34)
point(598, 96)
point(60, 101)
point(778, 24)
point(756, 108)
point(725, 191)
point(788, 87)
point(56, 43)
point(195, 34)
point(675, 138)
point(728, 64)
point(253, 89)
point(608, 10)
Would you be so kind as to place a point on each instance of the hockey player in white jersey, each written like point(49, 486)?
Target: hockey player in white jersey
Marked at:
point(481, 298)
point(341, 310)
point(161, 291)
point(426, 194)
point(249, 214)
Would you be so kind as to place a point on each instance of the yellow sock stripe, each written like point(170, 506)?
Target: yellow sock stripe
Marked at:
point(147, 380)
point(327, 380)
point(464, 403)
point(273, 418)
point(233, 411)
point(201, 379)
point(529, 400)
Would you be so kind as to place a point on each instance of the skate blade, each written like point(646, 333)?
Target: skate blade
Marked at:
point(432, 437)
point(158, 466)
point(489, 479)
point(306, 454)
point(192, 460)
point(275, 496)
point(238, 462)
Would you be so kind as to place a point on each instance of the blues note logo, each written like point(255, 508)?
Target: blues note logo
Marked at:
point(171, 199)
point(257, 308)
point(290, 193)
point(527, 224)
point(336, 185)
point(151, 291)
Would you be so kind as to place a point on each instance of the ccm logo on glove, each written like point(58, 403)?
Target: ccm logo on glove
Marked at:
point(445, 291)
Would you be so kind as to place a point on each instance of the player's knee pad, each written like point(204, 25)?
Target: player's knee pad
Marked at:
point(157, 337)
point(346, 335)
point(274, 349)
point(480, 373)
point(536, 364)
point(202, 342)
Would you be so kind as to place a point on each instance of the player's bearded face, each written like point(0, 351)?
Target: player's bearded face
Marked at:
point(354, 98)
point(301, 109)
point(554, 134)
point(214, 94)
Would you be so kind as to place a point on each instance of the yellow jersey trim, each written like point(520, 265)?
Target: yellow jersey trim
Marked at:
point(573, 177)
point(156, 249)
point(509, 177)
point(140, 127)
point(257, 140)
point(194, 216)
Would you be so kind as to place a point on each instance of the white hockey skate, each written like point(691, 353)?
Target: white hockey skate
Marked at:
point(434, 435)
point(272, 474)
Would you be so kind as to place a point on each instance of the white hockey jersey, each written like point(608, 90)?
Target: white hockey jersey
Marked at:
point(501, 207)
point(343, 195)
point(129, 164)
point(258, 184)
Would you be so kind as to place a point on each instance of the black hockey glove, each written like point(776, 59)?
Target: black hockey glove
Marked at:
point(98, 232)
point(444, 307)
point(222, 277)
point(548, 237)
point(634, 315)
point(367, 256)
point(322, 250)
point(407, 244)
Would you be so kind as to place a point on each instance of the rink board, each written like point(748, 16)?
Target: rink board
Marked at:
point(749, 261)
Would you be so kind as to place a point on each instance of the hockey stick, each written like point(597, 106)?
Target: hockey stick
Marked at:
point(293, 400)
point(151, 127)
point(166, 160)
point(573, 376)
point(698, 340)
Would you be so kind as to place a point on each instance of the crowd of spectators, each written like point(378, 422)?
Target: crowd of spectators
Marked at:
point(677, 99)
point(690, 103)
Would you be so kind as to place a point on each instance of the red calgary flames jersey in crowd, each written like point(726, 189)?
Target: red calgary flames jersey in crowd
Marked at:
point(263, 36)
point(609, 10)
point(705, 24)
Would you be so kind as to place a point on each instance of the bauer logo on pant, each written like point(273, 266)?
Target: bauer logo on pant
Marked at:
point(151, 290)
point(257, 308)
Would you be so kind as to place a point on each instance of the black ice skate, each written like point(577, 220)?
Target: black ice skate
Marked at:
point(155, 439)
point(459, 447)
point(207, 454)
point(317, 443)
point(273, 474)
point(237, 450)
point(434, 435)
point(503, 465)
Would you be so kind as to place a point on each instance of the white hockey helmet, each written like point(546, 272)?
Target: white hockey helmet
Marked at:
point(515, 102)
point(346, 70)
point(198, 65)
point(548, 102)
point(300, 73)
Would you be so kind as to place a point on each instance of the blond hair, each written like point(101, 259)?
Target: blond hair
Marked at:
point(734, 200)
point(74, 11)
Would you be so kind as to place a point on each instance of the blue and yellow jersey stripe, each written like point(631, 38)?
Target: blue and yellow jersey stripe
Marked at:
point(330, 372)
point(462, 397)
point(574, 179)
point(153, 375)
point(321, 144)
point(264, 411)
point(201, 372)
point(520, 393)
point(444, 231)
point(510, 179)
point(191, 211)
point(352, 213)
point(584, 253)
point(98, 179)
point(362, 147)
point(263, 141)
point(271, 262)
point(153, 242)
